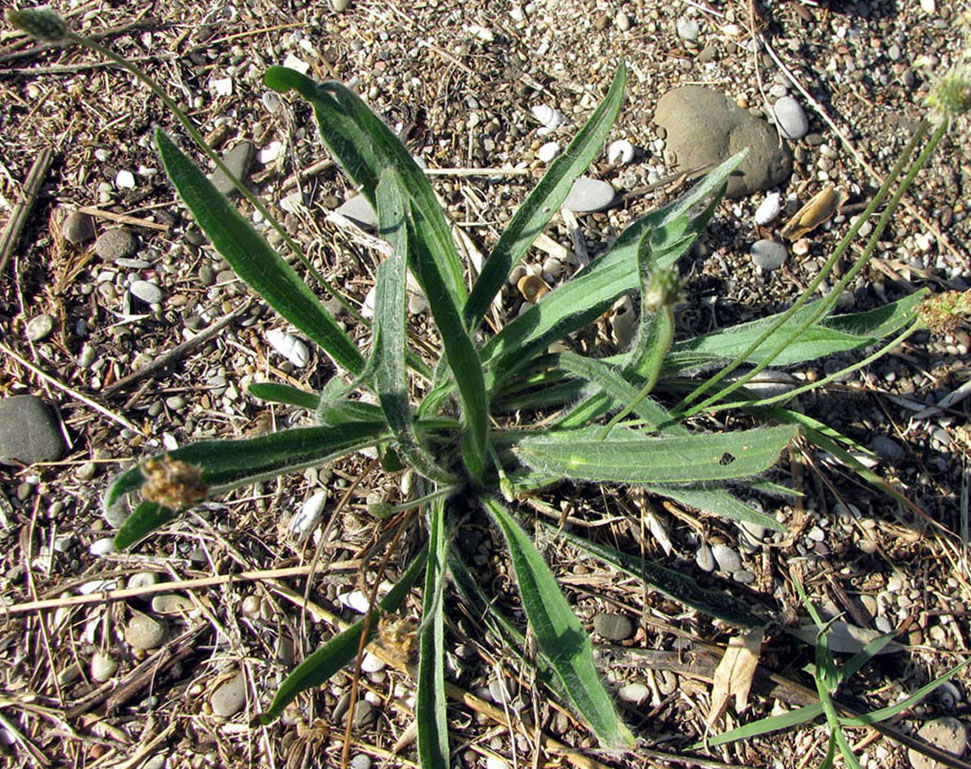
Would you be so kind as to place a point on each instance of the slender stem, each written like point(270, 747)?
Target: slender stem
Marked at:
point(661, 337)
point(197, 137)
point(844, 244)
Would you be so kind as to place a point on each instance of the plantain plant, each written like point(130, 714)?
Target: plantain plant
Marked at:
point(624, 419)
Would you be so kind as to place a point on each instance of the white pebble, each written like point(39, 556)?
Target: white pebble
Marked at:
point(790, 117)
point(367, 306)
point(354, 600)
point(636, 692)
point(271, 152)
point(768, 209)
point(103, 546)
point(125, 180)
point(929, 6)
point(293, 62)
point(306, 520)
point(620, 152)
point(688, 29)
point(548, 151)
point(371, 664)
point(588, 195)
point(222, 86)
point(291, 348)
point(147, 292)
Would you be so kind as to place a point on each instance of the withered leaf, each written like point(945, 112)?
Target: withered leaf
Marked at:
point(734, 674)
point(819, 209)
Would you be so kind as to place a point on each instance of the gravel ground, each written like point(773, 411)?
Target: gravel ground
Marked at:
point(175, 672)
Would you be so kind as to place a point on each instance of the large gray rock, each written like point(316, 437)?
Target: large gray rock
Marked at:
point(704, 126)
point(28, 431)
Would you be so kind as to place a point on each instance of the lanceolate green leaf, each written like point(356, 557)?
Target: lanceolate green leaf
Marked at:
point(340, 650)
point(430, 708)
point(582, 299)
point(837, 334)
point(144, 519)
point(631, 457)
point(228, 463)
point(365, 146)
point(559, 633)
point(281, 393)
point(717, 501)
point(673, 584)
point(390, 374)
point(460, 352)
point(252, 259)
point(544, 201)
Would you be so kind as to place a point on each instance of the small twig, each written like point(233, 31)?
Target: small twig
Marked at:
point(70, 390)
point(134, 221)
point(18, 219)
point(477, 172)
point(109, 596)
point(176, 352)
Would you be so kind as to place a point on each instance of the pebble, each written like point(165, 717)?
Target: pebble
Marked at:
point(768, 255)
point(103, 666)
point(371, 663)
point(768, 209)
point(146, 291)
point(623, 22)
point(171, 604)
point(87, 471)
point(588, 195)
point(364, 714)
point(790, 117)
point(142, 579)
point(704, 126)
point(354, 600)
point(743, 577)
point(78, 228)
point(887, 448)
point(238, 160)
point(620, 152)
point(688, 29)
point(308, 517)
point(635, 692)
point(289, 346)
point(705, 558)
point(229, 697)
point(361, 761)
point(125, 180)
point(340, 5)
point(948, 733)
point(548, 151)
point(144, 632)
point(116, 244)
point(39, 327)
point(613, 627)
point(893, 52)
point(359, 210)
point(726, 558)
point(207, 276)
point(28, 431)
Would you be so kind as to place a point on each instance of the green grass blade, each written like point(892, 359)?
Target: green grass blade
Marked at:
point(390, 332)
point(282, 393)
point(430, 707)
point(764, 726)
point(559, 633)
point(897, 708)
point(252, 259)
point(342, 648)
point(717, 501)
point(630, 457)
point(365, 146)
point(544, 201)
point(862, 657)
point(674, 584)
point(228, 463)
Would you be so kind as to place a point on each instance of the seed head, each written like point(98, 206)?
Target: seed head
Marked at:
point(663, 290)
point(945, 312)
point(41, 23)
